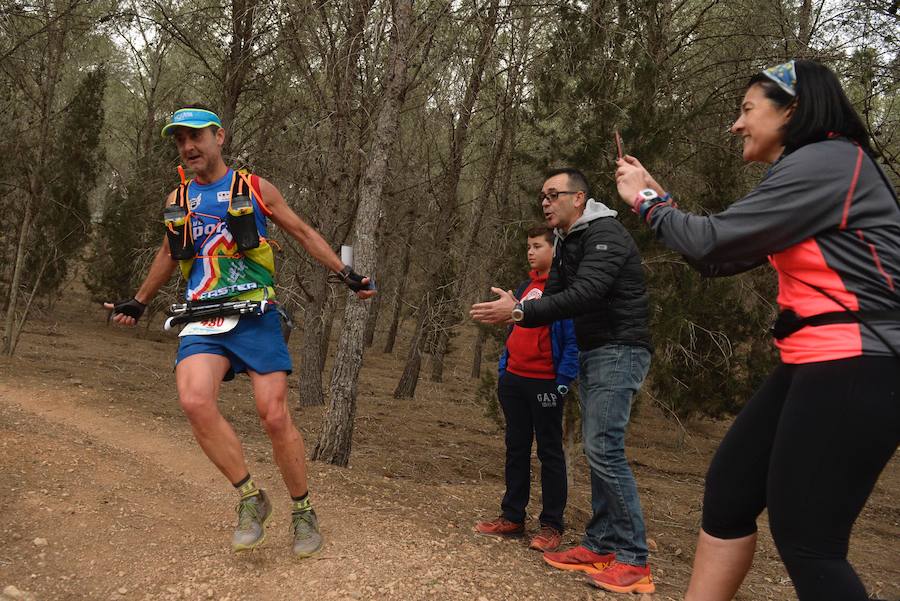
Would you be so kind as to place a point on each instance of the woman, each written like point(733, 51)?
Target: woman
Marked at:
point(810, 444)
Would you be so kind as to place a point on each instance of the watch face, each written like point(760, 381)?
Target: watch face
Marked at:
point(648, 194)
point(517, 313)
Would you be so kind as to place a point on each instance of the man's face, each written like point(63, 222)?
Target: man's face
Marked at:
point(540, 254)
point(200, 149)
point(567, 206)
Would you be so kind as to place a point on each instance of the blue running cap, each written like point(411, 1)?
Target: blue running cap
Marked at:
point(194, 118)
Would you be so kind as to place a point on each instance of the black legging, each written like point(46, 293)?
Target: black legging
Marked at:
point(809, 445)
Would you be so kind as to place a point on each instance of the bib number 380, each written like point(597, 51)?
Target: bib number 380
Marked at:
point(212, 325)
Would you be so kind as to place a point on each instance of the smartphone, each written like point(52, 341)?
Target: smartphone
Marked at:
point(619, 152)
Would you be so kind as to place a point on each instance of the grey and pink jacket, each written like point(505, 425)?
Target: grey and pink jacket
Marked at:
point(825, 216)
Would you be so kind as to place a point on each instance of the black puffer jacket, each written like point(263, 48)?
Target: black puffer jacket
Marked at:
point(598, 281)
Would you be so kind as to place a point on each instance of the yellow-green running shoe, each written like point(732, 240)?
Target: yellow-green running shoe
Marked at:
point(307, 539)
point(253, 514)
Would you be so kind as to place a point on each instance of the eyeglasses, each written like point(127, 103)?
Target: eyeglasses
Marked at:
point(553, 195)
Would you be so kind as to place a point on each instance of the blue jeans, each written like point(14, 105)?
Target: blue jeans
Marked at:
point(610, 377)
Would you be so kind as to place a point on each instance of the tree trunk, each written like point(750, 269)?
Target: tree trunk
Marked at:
point(372, 322)
point(45, 93)
point(10, 321)
point(398, 296)
point(477, 352)
point(315, 343)
point(337, 431)
point(20, 324)
point(452, 313)
point(437, 264)
point(439, 350)
point(337, 182)
point(237, 63)
point(406, 387)
point(805, 27)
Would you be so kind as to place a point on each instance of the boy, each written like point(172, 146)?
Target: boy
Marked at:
point(535, 371)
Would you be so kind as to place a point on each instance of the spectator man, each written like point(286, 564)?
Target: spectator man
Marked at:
point(598, 281)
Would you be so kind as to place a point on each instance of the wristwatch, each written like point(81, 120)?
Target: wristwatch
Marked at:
point(645, 200)
point(518, 312)
point(562, 389)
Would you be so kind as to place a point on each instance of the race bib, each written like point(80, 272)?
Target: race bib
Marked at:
point(213, 325)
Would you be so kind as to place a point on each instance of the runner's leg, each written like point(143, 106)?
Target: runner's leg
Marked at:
point(198, 378)
point(270, 391)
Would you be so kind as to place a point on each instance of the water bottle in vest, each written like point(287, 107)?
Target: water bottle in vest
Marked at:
point(242, 223)
point(181, 243)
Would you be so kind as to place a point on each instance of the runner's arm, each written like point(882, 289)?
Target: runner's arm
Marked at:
point(311, 240)
point(160, 271)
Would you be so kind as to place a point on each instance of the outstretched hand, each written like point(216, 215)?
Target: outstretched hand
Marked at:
point(631, 178)
point(125, 312)
point(496, 311)
point(355, 282)
point(364, 294)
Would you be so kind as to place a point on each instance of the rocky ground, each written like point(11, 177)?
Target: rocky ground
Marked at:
point(106, 496)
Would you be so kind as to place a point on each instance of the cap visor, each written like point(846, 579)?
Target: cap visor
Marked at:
point(169, 129)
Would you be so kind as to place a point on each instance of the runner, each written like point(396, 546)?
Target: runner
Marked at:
point(810, 444)
point(535, 371)
point(216, 229)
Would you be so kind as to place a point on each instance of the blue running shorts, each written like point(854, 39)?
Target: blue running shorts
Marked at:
point(255, 344)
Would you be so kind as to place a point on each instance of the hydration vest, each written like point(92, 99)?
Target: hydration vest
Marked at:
point(243, 272)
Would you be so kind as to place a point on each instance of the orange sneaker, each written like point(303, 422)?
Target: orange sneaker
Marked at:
point(547, 539)
point(580, 558)
point(624, 578)
point(500, 527)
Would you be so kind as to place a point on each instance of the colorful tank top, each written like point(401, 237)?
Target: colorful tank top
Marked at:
point(219, 270)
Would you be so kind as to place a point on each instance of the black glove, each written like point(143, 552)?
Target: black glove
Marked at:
point(354, 280)
point(131, 307)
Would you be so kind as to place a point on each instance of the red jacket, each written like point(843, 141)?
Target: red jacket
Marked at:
point(530, 349)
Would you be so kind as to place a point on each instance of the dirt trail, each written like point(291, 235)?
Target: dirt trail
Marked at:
point(106, 495)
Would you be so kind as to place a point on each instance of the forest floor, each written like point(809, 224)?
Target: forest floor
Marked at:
point(105, 494)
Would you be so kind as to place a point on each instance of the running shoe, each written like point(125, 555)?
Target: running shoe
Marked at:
point(500, 527)
point(581, 559)
point(307, 538)
point(546, 540)
point(624, 578)
point(253, 514)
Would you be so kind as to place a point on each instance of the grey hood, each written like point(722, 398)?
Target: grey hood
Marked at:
point(594, 209)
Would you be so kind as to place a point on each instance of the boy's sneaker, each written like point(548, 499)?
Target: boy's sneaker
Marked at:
point(500, 527)
point(624, 578)
point(307, 538)
point(581, 559)
point(547, 539)
point(253, 514)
